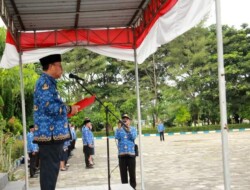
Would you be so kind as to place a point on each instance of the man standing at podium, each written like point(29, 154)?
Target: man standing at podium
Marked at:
point(50, 120)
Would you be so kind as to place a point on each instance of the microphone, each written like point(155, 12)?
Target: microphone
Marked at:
point(75, 77)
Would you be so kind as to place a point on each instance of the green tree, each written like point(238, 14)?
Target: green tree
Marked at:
point(237, 66)
point(187, 68)
point(182, 116)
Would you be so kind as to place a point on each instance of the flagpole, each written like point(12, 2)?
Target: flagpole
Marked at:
point(23, 118)
point(138, 114)
point(222, 93)
point(108, 155)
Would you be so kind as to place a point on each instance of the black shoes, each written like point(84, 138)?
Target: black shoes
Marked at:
point(34, 176)
point(37, 171)
point(90, 166)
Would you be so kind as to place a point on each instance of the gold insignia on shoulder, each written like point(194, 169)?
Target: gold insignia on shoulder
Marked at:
point(36, 127)
point(35, 108)
point(45, 87)
point(47, 104)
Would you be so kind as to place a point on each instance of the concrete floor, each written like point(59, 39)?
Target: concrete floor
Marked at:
point(181, 162)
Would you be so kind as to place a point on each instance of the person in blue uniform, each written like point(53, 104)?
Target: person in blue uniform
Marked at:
point(73, 139)
point(64, 155)
point(88, 143)
point(161, 130)
point(50, 120)
point(126, 136)
point(32, 149)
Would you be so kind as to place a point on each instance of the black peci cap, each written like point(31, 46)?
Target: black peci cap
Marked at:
point(31, 126)
point(86, 120)
point(50, 59)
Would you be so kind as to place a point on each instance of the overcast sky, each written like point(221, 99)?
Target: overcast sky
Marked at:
point(233, 13)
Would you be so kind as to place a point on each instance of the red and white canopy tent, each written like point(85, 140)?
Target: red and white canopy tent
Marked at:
point(124, 29)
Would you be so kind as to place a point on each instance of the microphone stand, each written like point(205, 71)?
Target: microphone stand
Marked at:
point(107, 110)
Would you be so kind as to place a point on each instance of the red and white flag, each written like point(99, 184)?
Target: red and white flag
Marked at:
point(174, 18)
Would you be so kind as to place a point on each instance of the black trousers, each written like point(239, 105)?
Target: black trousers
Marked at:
point(73, 143)
point(33, 159)
point(37, 160)
point(86, 151)
point(127, 165)
point(162, 136)
point(49, 165)
point(64, 155)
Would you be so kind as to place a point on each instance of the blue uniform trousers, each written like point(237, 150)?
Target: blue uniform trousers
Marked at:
point(49, 165)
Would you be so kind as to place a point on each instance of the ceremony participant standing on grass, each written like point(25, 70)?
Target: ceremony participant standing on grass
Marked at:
point(161, 130)
point(50, 120)
point(88, 143)
point(32, 149)
point(126, 136)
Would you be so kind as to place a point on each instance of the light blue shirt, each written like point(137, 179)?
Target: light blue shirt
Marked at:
point(66, 144)
point(31, 147)
point(160, 128)
point(87, 136)
point(126, 145)
point(73, 133)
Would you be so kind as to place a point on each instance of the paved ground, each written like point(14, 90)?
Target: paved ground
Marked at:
point(182, 162)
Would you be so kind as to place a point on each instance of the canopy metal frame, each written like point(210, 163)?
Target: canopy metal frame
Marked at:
point(37, 15)
point(34, 15)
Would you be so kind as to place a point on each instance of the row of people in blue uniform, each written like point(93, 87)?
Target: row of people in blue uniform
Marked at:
point(33, 151)
point(126, 152)
point(68, 146)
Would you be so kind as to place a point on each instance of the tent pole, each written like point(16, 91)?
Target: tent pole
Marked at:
point(23, 120)
point(138, 114)
point(222, 92)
